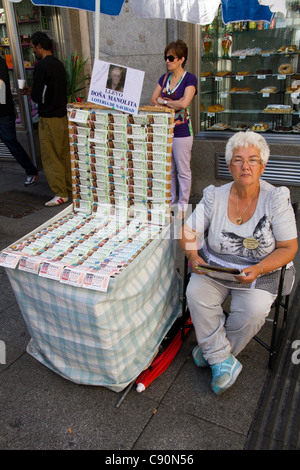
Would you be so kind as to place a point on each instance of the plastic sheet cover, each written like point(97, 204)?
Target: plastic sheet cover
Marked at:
point(96, 338)
point(192, 11)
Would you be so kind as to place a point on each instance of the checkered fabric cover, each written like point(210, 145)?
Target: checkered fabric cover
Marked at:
point(97, 338)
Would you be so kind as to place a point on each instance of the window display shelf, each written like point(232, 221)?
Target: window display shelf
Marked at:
point(249, 111)
point(28, 21)
point(261, 55)
point(241, 77)
point(247, 69)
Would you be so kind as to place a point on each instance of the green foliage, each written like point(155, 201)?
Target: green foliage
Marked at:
point(75, 78)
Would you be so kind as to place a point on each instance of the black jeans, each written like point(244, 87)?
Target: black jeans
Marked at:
point(9, 138)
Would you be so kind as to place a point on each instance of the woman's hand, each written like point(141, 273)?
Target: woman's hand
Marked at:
point(284, 252)
point(188, 243)
point(161, 100)
point(251, 273)
point(182, 103)
point(155, 96)
point(26, 90)
point(194, 262)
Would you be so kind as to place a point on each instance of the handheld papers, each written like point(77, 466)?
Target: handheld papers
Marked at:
point(218, 272)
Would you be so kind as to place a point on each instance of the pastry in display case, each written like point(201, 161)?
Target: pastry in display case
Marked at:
point(254, 74)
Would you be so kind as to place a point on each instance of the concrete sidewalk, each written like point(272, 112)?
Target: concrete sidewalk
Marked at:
point(178, 411)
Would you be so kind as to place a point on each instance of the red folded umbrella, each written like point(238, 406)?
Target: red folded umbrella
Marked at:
point(161, 361)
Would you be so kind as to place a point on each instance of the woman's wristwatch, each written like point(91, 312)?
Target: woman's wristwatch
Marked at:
point(166, 102)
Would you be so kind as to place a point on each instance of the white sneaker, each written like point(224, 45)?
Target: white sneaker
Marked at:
point(56, 201)
point(31, 180)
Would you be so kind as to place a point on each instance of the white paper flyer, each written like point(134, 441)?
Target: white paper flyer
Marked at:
point(116, 87)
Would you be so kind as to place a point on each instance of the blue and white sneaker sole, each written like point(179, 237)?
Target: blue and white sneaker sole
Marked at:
point(236, 370)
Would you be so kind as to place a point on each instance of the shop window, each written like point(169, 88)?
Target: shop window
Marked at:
point(250, 77)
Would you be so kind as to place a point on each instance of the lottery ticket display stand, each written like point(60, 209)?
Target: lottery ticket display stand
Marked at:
point(97, 284)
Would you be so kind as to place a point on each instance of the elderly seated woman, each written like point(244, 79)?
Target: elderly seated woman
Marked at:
point(249, 225)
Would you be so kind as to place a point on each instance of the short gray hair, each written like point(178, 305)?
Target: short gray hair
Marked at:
point(245, 139)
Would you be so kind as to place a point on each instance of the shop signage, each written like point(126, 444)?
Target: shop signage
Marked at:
point(116, 86)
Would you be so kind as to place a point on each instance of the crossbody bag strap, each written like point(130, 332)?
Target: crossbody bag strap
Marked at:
point(163, 84)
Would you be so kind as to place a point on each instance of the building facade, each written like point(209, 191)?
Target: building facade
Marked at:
point(241, 84)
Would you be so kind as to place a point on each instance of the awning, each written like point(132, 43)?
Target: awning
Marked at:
point(108, 7)
point(191, 11)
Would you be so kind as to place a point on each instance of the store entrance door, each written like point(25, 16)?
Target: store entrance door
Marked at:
point(18, 21)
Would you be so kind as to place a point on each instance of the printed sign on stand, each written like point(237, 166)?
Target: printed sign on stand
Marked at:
point(116, 87)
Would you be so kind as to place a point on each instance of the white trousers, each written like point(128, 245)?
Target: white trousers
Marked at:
point(181, 170)
point(217, 335)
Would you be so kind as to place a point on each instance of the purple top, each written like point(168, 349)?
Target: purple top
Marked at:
point(183, 126)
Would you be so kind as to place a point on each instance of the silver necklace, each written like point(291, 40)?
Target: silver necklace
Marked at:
point(239, 219)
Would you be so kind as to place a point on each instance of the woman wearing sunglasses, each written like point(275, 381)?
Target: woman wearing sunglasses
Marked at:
point(176, 89)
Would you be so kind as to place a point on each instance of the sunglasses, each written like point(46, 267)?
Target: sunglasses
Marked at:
point(170, 58)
